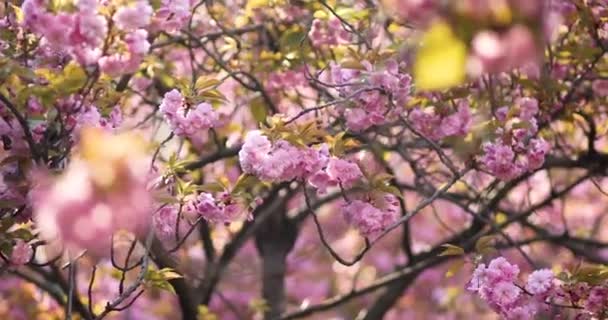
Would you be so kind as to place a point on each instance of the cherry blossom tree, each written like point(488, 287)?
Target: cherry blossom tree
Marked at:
point(303, 159)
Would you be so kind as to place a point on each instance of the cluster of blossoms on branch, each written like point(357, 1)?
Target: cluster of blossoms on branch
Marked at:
point(517, 147)
point(371, 94)
point(497, 284)
point(331, 147)
point(110, 192)
point(187, 121)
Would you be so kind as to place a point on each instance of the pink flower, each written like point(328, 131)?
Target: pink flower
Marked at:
point(280, 161)
point(330, 32)
point(172, 15)
point(112, 65)
point(312, 160)
point(203, 116)
point(537, 151)
point(137, 41)
point(254, 152)
point(22, 253)
point(367, 218)
point(133, 17)
point(222, 210)
point(426, 122)
point(345, 172)
point(172, 101)
point(504, 293)
point(457, 123)
point(321, 181)
point(499, 160)
point(357, 119)
point(107, 193)
point(597, 299)
point(33, 14)
point(502, 113)
point(205, 206)
point(164, 222)
point(540, 281)
point(187, 122)
point(528, 108)
point(489, 52)
point(478, 280)
point(57, 29)
point(500, 269)
point(90, 30)
point(600, 87)
point(521, 47)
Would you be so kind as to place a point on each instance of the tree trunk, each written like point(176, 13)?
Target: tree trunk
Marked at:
point(274, 240)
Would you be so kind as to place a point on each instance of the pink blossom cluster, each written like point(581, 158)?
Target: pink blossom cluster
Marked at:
point(496, 285)
point(328, 32)
point(22, 253)
point(519, 45)
point(133, 17)
point(416, 11)
point(342, 172)
point(184, 121)
point(164, 222)
point(172, 15)
point(120, 63)
point(89, 116)
point(102, 191)
point(80, 33)
point(518, 149)
point(372, 216)
point(12, 136)
point(280, 161)
point(434, 126)
point(285, 80)
point(225, 209)
point(495, 53)
point(373, 94)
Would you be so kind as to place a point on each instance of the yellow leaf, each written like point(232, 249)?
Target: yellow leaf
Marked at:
point(440, 62)
point(258, 109)
point(454, 268)
point(203, 83)
point(319, 14)
point(18, 13)
point(451, 250)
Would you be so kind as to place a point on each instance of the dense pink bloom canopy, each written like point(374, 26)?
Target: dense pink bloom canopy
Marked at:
point(275, 159)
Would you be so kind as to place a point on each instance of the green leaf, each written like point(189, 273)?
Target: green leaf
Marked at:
point(160, 278)
point(259, 305)
point(484, 244)
point(592, 274)
point(258, 109)
point(205, 314)
point(440, 61)
point(72, 80)
point(244, 182)
point(291, 40)
point(211, 187)
point(23, 234)
point(451, 250)
point(353, 14)
point(203, 83)
point(213, 96)
point(391, 189)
